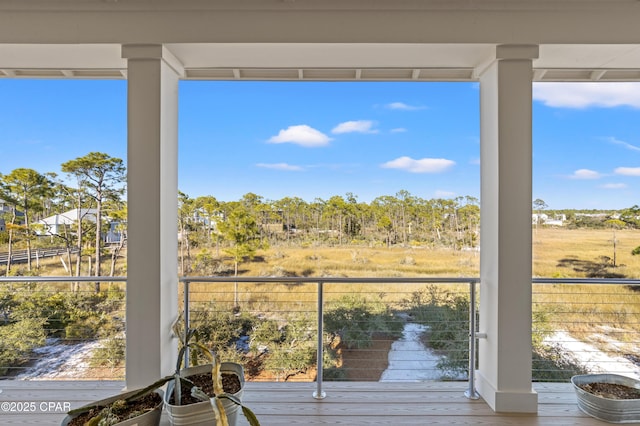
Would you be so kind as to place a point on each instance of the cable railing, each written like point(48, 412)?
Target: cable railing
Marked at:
point(585, 325)
point(331, 328)
point(321, 329)
point(60, 328)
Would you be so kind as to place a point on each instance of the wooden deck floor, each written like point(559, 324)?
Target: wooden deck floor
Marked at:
point(279, 404)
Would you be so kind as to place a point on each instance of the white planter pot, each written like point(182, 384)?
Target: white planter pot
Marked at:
point(201, 413)
point(150, 418)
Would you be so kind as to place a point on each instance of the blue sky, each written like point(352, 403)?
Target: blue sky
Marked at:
point(316, 140)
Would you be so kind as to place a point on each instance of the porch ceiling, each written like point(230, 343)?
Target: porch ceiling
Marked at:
point(324, 61)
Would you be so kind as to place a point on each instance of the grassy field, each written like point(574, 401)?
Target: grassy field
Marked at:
point(564, 253)
point(587, 312)
point(557, 253)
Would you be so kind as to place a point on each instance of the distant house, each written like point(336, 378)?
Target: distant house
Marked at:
point(54, 225)
point(544, 219)
point(4, 206)
point(115, 233)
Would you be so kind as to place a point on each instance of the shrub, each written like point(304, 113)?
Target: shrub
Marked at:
point(446, 314)
point(18, 340)
point(551, 363)
point(110, 354)
point(219, 329)
point(289, 349)
point(355, 320)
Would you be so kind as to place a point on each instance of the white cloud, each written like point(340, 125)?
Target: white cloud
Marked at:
point(623, 143)
point(359, 126)
point(627, 171)
point(613, 186)
point(280, 166)
point(584, 95)
point(398, 130)
point(423, 165)
point(585, 174)
point(402, 106)
point(301, 135)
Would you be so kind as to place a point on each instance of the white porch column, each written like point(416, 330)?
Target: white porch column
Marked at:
point(152, 246)
point(504, 376)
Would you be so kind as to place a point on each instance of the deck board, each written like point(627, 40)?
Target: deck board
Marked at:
point(347, 403)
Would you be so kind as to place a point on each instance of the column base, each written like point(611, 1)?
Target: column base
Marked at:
point(507, 401)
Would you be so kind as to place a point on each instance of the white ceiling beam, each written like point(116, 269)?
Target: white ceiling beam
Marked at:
point(538, 74)
point(342, 74)
point(354, 21)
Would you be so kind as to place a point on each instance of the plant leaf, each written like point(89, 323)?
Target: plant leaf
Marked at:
point(221, 414)
point(251, 417)
point(217, 377)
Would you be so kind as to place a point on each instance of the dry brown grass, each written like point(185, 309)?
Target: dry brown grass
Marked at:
point(583, 310)
point(558, 252)
point(366, 262)
point(340, 262)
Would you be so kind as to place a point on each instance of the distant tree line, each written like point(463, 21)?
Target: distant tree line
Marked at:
point(238, 228)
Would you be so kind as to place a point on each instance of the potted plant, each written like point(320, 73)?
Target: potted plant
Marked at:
point(195, 393)
point(141, 407)
point(609, 397)
point(191, 401)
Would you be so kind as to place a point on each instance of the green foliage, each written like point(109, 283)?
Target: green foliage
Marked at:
point(18, 339)
point(551, 363)
point(542, 328)
point(206, 264)
point(48, 307)
point(100, 177)
point(355, 320)
point(290, 348)
point(614, 223)
point(241, 230)
point(110, 354)
point(635, 251)
point(219, 329)
point(447, 316)
point(631, 216)
point(38, 314)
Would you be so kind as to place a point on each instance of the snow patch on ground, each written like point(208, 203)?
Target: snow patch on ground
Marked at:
point(410, 360)
point(58, 360)
point(593, 359)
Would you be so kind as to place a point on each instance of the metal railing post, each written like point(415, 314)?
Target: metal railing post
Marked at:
point(471, 391)
point(319, 393)
point(186, 321)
